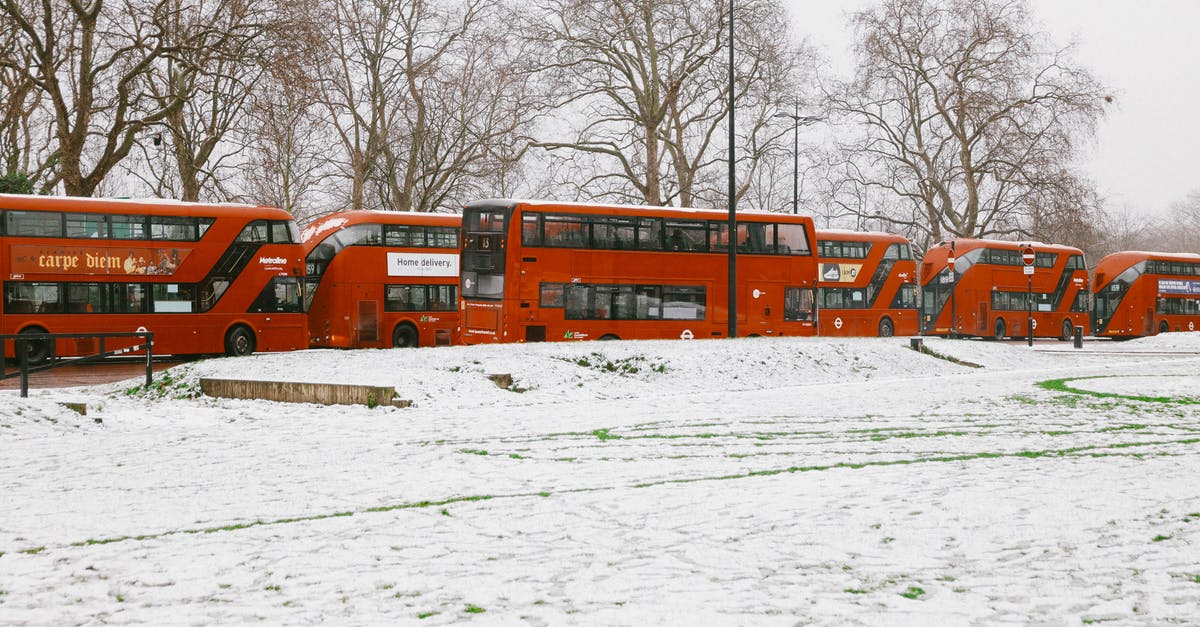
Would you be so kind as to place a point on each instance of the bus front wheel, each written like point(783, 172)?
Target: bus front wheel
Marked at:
point(999, 331)
point(239, 342)
point(1163, 327)
point(36, 351)
point(886, 328)
point(405, 336)
point(1068, 331)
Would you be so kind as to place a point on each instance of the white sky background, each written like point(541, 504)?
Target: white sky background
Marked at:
point(1145, 153)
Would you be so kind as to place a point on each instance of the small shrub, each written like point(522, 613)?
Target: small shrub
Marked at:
point(913, 592)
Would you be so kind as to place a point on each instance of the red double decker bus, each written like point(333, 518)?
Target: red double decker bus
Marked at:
point(868, 284)
point(204, 278)
point(985, 292)
point(534, 271)
point(1142, 293)
point(381, 279)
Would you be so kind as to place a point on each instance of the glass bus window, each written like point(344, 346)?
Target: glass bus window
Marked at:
point(1081, 303)
point(256, 232)
point(648, 302)
point(686, 235)
point(281, 234)
point(858, 299)
point(86, 225)
point(128, 298)
point(551, 295)
point(1045, 260)
point(485, 220)
point(906, 297)
point(578, 299)
point(281, 295)
point(443, 298)
point(403, 235)
point(34, 223)
point(172, 298)
point(489, 286)
point(85, 298)
point(202, 225)
point(128, 227)
point(602, 302)
point(398, 298)
point(894, 251)
point(718, 236)
point(531, 229)
point(649, 234)
point(171, 228)
point(612, 233)
point(26, 298)
point(442, 237)
point(752, 238)
point(1075, 262)
point(792, 239)
point(566, 231)
point(624, 304)
point(683, 302)
point(360, 235)
point(797, 303)
point(211, 291)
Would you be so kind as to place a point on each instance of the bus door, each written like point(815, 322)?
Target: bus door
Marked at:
point(763, 309)
point(367, 324)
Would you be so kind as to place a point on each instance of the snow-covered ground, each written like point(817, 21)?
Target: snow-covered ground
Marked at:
point(753, 481)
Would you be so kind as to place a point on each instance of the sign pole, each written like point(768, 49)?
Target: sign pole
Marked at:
point(1029, 257)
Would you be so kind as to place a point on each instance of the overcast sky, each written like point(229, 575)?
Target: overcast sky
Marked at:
point(1146, 152)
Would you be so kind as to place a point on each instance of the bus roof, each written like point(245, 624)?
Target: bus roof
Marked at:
point(970, 243)
point(847, 235)
point(580, 207)
point(1126, 258)
point(342, 219)
point(138, 206)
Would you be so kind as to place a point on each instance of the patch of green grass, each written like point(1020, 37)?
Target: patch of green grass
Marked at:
point(1061, 385)
point(913, 592)
point(272, 588)
point(34, 551)
point(474, 609)
point(603, 435)
point(856, 591)
point(1160, 538)
point(474, 451)
point(424, 615)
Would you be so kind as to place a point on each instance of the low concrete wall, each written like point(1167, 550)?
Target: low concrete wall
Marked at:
point(321, 393)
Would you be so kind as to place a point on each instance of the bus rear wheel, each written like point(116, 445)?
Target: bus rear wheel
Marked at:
point(239, 342)
point(405, 336)
point(999, 331)
point(1068, 331)
point(886, 328)
point(608, 337)
point(1163, 327)
point(36, 351)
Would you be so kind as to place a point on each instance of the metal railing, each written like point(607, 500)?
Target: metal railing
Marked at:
point(21, 349)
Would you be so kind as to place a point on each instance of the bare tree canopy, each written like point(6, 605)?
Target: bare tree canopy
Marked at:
point(966, 122)
point(644, 92)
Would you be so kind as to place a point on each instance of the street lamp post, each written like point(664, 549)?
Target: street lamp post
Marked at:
point(732, 303)
point(797, 121)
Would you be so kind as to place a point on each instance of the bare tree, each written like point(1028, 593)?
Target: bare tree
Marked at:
point(645, 92)
point(89, 60)
point(23, 145)
point(221, 51)
point(966, 116)
point(423, 98)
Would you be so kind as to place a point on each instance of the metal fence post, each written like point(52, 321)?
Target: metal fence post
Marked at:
point(23, 362)
point(149, 337)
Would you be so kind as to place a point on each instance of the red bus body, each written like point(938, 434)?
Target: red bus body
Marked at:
point(987, 290)
point(1142, 293)
point(379, 279)
point(868, 284)
point(204, 278)
point(542, 271)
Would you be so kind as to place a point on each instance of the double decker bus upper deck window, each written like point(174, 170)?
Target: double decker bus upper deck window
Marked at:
point(486, 221)
point(792, 239)
point(33, 223)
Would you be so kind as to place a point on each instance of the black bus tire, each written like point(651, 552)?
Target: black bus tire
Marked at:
point(886, 328)
point(999, 332)
point(37, 352)
point(1068, 331)
point(1163, 327)
point(405, 336)
point(239, 341)
point(608, 337)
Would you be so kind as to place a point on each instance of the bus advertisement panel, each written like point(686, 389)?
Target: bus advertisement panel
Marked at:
point(382, 279)
point(979, 288)
point(204, 278)
point(537, 271)
point(1138, 293)
point(868, 284)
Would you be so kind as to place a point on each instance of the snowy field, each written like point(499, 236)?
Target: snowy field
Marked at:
point(754, 481)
